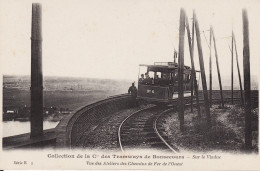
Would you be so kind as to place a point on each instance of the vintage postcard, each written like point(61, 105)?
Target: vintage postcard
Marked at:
point(129, 84)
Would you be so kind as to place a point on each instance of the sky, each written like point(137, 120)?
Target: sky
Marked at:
point(110, 38)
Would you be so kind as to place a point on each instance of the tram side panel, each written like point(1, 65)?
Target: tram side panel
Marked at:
point(160, 93)
point(152, 93)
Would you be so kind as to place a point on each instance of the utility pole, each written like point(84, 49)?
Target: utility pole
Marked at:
point(203, 76)
point(210, 70)
point(246, 65)
point(195, 79)
point(193, 72)
point(238, 71)
point(232, 76)
point(180, 69)
point(219, 76)
point(191, 57)
point(36, 73)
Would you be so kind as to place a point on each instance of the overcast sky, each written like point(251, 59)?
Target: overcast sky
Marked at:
point(110, 38)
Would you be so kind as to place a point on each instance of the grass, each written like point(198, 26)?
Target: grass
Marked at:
point(225, 134)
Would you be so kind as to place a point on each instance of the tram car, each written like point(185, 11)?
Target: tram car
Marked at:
point(159, 82)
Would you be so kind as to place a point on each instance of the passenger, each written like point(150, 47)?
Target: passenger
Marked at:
point(156, 79)
point(133, 91)
point(152, 80)
point(141, 79)
point(147, 76)
point(164, 80)
point(147, 79)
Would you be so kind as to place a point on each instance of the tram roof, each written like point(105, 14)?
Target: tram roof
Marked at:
point(165, 67)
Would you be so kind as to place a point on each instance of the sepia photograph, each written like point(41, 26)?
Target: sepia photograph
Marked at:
point(111, 84)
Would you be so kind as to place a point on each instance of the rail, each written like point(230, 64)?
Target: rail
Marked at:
point(173, 149)
point(119, 129)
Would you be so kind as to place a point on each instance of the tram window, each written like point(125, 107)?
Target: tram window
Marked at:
point(159, 74)
point(151, 74)
point(189, 77)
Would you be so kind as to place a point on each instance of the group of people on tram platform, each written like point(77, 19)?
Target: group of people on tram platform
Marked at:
point(164, 80)
point(146, 79)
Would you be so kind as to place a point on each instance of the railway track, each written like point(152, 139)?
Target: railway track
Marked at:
point(137, 128)
point(142, 130)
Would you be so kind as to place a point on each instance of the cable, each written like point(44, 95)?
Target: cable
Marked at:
point(206, 40)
